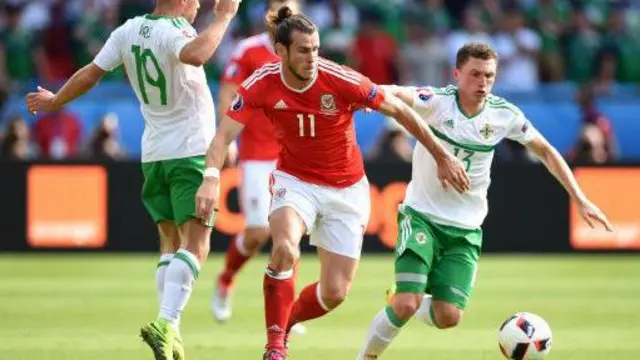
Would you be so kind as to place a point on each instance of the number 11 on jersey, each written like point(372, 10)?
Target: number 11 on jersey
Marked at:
point(312, 124)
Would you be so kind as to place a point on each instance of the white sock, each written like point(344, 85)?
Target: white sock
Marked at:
point(425, 312)
point(179, 279)
point(163, 264)
point(381, 333)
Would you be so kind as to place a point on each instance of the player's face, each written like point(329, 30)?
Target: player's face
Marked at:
point(191, 10)
point(475, 78)
point(302, 55)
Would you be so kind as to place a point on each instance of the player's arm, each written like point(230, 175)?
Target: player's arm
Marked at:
point(108, 58)
point(199, 50)
point(231, 125)
point(559, 168)
point(450, 169)
point(225, 97)
point(403, 93)
point(81, 82)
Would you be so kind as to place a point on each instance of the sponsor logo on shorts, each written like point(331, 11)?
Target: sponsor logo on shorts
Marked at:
point(525, 127)
point(279, 194)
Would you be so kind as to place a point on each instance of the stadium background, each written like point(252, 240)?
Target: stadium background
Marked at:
point(70, 182)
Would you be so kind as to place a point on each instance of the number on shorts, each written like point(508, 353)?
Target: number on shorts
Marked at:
point(312, 125)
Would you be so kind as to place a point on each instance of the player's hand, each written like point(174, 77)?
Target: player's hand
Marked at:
point(41, 100)
point(591, 213)
point(451, 173)
point(226, 8)
point(207, 198)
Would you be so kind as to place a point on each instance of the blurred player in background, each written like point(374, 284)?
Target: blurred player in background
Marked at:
point(439, 236)
point(319, 187)
point(163, 56)
point(258, 153)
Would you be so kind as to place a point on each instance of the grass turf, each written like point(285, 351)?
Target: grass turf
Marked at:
point(55, 307)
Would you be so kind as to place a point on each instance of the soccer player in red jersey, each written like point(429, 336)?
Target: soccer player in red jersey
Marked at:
point(319, 187)
point(258, 152)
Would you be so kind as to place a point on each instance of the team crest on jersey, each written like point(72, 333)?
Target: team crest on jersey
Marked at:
point(525, 127)
point(486, 131)
point(237, 103)
point(328, 104)
point(372, 93)
point(424, 94)
point(421, 238)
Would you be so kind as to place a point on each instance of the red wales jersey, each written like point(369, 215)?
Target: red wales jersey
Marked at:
point(314, 125)
point(257, 141)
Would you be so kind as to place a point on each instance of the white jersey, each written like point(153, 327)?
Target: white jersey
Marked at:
point(470, 139)
point(175, 100)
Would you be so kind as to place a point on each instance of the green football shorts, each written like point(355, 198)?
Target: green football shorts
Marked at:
point(170, 187)
point(436, 259)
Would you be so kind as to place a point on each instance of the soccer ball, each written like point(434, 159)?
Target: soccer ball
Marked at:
point(525, 336)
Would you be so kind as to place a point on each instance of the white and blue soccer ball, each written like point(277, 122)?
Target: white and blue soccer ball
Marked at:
point(525, 336)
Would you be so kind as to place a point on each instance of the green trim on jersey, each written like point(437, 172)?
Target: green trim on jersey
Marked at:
point(157, 17)
point(464, 113)
point(470, 147)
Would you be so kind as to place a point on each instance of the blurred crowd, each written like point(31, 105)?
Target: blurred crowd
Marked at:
point(595, 43)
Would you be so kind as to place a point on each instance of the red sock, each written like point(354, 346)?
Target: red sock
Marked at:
point(233, 262)
point(279, 295)
point(307, 306)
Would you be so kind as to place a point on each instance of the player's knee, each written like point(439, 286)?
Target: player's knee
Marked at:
point(284, 255)
point(446, 315)
point(334, 294)
point(197, 238)
point(406, 305)
point(255, 238)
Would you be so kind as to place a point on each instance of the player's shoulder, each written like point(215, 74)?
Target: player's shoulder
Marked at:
point(502, 107)
point(246, 47)
point(336, 73)
point(263, 75)
point(433, 94)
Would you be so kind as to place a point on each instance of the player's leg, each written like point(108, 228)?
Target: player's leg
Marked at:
point(169, 244)
point(338, 237)
point(452, 279)
point(185, 176)
point(254, 198)
point(157, 200)
point(293, 212)
point(416, 249)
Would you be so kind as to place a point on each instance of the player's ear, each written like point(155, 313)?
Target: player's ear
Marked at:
point(281, 50)
point(456, 74)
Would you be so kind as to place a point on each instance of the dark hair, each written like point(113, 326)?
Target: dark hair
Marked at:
point(474, 50)
point(283, 22)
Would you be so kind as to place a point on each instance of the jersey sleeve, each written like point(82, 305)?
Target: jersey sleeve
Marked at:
point(363, 93)
point(521, 129)
point(424, 102)
point(244, 104)
point(109, 56)
point(237, 69)
point(175, 39)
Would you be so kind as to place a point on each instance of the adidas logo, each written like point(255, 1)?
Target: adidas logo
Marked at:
point(280, 105)
point(275, 328)
point(449, 123)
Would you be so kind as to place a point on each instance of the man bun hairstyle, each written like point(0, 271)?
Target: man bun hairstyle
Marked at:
point(282, 22)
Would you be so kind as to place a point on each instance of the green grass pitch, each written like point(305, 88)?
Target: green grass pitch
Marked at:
point(55, 307)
